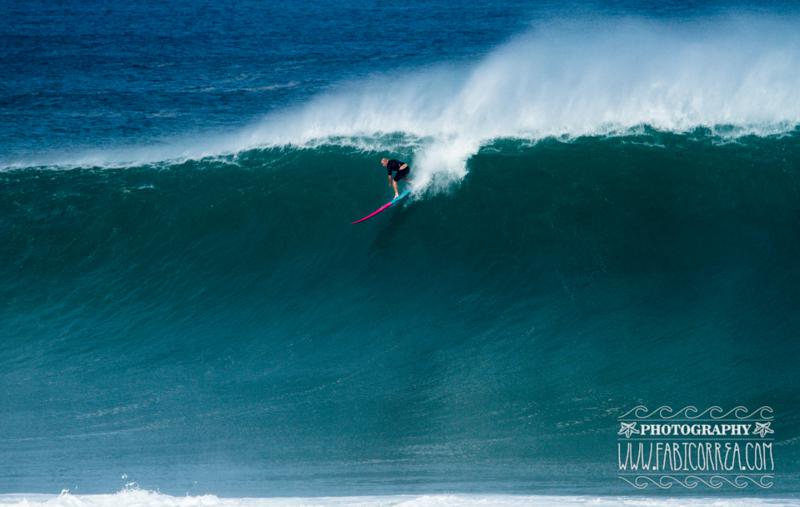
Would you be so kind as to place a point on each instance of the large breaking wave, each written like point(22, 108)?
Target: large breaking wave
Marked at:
point(221, 321)
point(216, 324)
point(736, 74)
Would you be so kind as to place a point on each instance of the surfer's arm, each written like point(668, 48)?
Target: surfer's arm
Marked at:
point(394, 186)
point(403, 167)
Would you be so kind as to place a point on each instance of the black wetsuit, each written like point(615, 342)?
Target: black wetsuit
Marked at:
point(394, 167)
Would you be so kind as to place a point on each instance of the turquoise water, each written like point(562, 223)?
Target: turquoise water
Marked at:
point(604, 213)
point(219, 325)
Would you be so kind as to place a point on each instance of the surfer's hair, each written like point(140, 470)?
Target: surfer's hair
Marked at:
point(384, 160)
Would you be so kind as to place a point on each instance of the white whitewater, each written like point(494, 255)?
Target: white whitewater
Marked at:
point(561, 79)
point(141, 498)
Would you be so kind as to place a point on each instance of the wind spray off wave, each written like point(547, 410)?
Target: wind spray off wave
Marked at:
point(737, 75)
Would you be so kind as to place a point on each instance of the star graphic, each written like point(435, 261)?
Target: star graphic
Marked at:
point(627, 429)
point(762, 429)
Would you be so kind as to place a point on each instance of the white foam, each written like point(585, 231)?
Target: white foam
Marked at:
point(592, 77)
point(140, 498)
point(564, 79)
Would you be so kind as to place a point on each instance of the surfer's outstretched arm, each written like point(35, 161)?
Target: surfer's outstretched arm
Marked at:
point(394, 186)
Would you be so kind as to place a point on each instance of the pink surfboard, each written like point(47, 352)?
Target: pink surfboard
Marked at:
point(386, 206)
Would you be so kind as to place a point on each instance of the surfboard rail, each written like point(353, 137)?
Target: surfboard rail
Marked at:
point(403, 195)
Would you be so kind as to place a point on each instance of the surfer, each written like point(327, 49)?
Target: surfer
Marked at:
point(400, 170)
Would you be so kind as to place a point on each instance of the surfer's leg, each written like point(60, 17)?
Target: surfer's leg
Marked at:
point(399, 175)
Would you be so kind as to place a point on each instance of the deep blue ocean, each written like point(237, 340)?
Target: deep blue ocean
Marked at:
point(605, 213)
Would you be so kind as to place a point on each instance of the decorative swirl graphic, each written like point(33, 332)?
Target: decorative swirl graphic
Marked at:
point(691, 412)
point(692, 481)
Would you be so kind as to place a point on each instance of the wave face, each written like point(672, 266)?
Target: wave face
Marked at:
point(218, 325)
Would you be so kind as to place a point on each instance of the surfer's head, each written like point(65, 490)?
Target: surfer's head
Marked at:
point(384, 161)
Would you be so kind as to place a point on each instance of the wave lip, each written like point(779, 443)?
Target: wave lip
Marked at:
point(569, 79)
point(735, 74)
